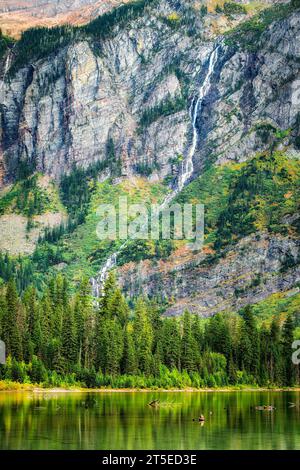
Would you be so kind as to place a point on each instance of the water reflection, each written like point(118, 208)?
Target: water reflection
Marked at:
point(126, 421)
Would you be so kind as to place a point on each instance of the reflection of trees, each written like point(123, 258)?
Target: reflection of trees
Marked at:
point(125, 421)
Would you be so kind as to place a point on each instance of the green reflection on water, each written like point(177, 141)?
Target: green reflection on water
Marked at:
point(125, 421)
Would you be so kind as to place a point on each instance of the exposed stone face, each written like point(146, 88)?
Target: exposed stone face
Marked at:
point(19, 15)
point(78, 100)
point(63, 110)
point(253, 89)
point(251, 271)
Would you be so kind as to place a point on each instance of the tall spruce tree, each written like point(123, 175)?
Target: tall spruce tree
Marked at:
point(143, 335)
point(275, 366)
point(188, 344)
point(129, 362)
point(249, 347)
point(83, 308)
point(11, 332)
point(68, 339)
point(287, 341)
point(33, 320)
point(171, 343)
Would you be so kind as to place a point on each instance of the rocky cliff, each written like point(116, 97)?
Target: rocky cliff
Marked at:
point(64, 109)
point(17, 16)
point(250, 272)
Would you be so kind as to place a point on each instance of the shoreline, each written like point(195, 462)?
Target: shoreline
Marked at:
point(17, 387)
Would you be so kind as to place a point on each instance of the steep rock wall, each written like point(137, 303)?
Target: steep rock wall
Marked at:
point(63, 110)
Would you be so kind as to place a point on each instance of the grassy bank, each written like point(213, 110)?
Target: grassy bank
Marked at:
point(9, 386)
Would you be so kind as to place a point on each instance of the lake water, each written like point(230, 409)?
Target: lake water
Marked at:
point(118, 421)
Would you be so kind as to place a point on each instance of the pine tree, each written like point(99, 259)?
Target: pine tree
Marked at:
point(264, 362)
point(116, 306)
point(129, 363)
point(109, 290)
point(171, 343)
point(249, 347)
point(83, 309)
point(115, 347)
point(88, 347)
point(143, 335)
point(287, 341)
point(11, 333)
point(218, 336)
point(275, 365)
point(68, 339)
point(46, 318)
point(2, 312)
point(156, 322)
point(33, 320)
point(188, 344)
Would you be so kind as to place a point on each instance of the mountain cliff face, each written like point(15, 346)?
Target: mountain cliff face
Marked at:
point(18, 15)
point(65, 109)
point(250, 272)
point(128, 98)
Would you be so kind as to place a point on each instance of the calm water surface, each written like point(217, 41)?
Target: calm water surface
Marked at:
point(125, 421)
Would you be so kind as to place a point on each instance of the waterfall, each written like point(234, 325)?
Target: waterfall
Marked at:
point(186, 172)
point(188, 165)
point(6, 68)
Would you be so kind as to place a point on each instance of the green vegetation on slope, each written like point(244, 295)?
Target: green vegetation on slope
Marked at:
point(29, 198)
point(231, 8)
point(37, 43)
point(241, 199)
point(280, 306)
point(62, 339)
point(248, 34)
point(74, 245)
point(165, 108)
point(80, 249)
point(20, 269)
point(5, 44)
point(266, 189)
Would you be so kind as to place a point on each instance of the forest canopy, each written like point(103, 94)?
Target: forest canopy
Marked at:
point(67, 339)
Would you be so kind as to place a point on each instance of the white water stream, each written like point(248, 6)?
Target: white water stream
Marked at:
point(6, 68)
point(187, 170)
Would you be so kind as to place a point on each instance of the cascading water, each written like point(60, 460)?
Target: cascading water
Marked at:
point(187, 169)
point(188, 166)
point(6, 68)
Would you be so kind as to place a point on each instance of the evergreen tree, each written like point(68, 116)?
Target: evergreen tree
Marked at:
point(109, 290)
point(287, 341)
point(68, 340)
point(171, 343)
point(129, 362)
point(275, 366)
point(11, 332)
point(188, 344)
point(33, 320)
point(249, 347)
point(117, 306)
point(143, 335)
point(66, 334)
point(83, 309)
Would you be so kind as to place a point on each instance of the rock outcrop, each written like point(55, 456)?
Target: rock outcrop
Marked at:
point(18, 15)
point(64, 109)
point(251, 271)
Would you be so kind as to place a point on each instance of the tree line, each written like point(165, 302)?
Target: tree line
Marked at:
point(63, 338)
